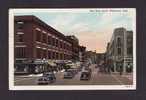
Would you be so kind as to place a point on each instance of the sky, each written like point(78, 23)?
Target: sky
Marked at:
point(93, 29)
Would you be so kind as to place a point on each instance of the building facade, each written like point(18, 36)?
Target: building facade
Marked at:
point(75, 47)
point(37, 42)
point(119, 53)
point(91, 57)
point(82, 51)
point(100, 58)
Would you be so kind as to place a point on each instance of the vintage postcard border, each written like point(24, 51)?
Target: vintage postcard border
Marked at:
point(63, 87)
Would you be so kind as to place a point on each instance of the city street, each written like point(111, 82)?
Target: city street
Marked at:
point(97, 78)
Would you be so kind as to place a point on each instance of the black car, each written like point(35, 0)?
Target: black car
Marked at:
point(86, 75)
point(46, 80)
point(50, 75)
point(68, 74)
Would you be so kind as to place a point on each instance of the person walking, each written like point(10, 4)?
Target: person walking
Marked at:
point(121, 70)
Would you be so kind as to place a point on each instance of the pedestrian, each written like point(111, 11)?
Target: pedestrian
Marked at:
point(121, 70)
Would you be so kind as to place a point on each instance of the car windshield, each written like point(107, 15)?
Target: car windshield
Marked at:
point(50, 78)
point(84, 75)
point(67, 73)
point(48, 74)
point(42, 79)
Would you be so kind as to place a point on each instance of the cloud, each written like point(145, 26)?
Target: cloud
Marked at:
point(93, 30)
point(63, 22)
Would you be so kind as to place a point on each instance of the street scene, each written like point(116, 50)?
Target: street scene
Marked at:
point(97, 78)
point(65, 48)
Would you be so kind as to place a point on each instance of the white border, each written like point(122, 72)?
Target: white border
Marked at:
point(67, 87)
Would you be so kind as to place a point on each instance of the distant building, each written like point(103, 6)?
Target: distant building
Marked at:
point(100, 58)
point(91, 56)
point(82, 51)
point(119, 53)
point(75, 47)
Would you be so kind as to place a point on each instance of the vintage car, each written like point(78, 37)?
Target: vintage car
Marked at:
point(46, 79)
point(85, 75)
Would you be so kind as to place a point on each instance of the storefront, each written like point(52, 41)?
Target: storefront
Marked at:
point(29, 68)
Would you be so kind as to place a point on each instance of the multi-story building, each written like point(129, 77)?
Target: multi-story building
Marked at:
point(119, 54)
point(91, 57)
point(100, 58)
point(37, 42)
point(82, 51)
point(75, 47)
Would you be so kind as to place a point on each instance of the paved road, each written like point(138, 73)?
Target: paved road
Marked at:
point(97, 78)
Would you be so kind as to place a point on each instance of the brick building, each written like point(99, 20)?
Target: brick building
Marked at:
point(75, 47)
point(37, 42)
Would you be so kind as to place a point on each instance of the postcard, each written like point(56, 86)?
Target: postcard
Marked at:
point(72, 49)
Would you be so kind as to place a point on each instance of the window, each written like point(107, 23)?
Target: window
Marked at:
point(56, 43)
point(49, 54)
point(65, 56)
point(118, 41)
point(64, 46)
point(38, 36)
point(53, 41)
point(44, 38)
point(129, 41)
point(119, 51)
point(20, 25)
point(52, 55)
point(19, 37)
point(20, 52)
point(57, 55)
point(38, 53)
point(44, 54)
point(129, 51)
point(61, 56)
point(129, 45)
point(49, 40)
point(60, 44)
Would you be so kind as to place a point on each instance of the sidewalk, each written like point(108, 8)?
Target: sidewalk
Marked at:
point(36, 75)
point(126, 75)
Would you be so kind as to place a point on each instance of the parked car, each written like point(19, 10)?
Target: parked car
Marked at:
point(68, 74)
point(42, 80)
point(49, 74)
point(45, 80)
point(73, 70)
point(85, 75)
point(87, 69)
